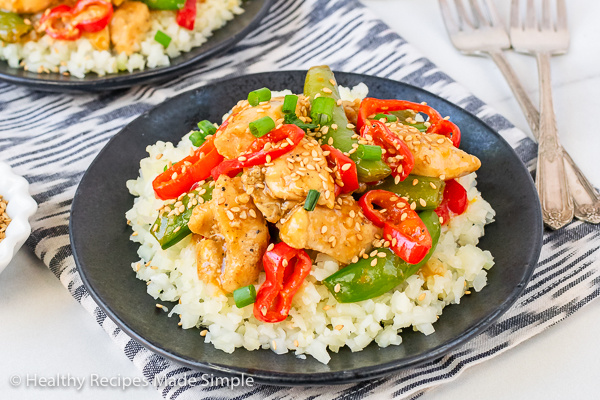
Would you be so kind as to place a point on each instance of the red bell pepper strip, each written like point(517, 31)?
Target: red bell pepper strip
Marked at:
point(439, 125)
point(258, 152)
point(408, 236)
point(348, 175)
point(397, 154)
point(186, 17)
point(68, 23)
point(285, 269)
point(455, 201)
point(183, 175)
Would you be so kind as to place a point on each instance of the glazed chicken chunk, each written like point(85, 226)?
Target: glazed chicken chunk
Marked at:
point(232, 223)
point(235, 138)
point(128, 26)
point(26, 6)
point(342, 232)
point(435, 155)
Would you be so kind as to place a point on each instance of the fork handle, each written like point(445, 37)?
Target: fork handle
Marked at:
point(585, 197)
point(531, 113)
point(551, 178)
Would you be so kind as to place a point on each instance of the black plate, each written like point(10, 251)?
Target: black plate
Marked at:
point(104, 253)
point(221, 40)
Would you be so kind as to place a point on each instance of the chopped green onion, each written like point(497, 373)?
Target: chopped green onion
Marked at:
point(244, 296)
point(368, 153)
point(289, 104)
point(388, 117)
point(162, 38)
point(420, 126)
point(165, 169)
point(258, 96)
point(321, 111)
point(262, 126)
point(311, 199)
point(205, 129)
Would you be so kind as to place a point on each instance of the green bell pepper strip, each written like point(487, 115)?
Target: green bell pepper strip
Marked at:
point(164, 4)
point(12, 27)
point(422, 190)
point(321, 77)
point(169, 230)
point(360, 281)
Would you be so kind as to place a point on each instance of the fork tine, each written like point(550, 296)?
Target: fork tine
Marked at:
point(480, 19)
point(531, 18)
point(493, 12)
point(561, 13)
point(451, 26)
point(546, 15)
point(462, 15)
point(515, 22)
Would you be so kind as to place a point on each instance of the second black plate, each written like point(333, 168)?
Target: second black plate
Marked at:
point(221, 40)
point(104, 253)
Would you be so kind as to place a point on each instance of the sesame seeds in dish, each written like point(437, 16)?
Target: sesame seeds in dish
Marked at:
point(305, 223)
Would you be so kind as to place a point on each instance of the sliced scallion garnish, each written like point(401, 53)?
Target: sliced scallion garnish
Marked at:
point(368, 152)
point(258, 96)
point(388, 117)
point(244, 296)
point(162, 38)
point(289, 104)
point(205, 128)
point(311, 199)
point(262, 126)
point(321, 111)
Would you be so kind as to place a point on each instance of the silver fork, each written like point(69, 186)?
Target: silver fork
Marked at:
point(489, 37)
point(542, 42)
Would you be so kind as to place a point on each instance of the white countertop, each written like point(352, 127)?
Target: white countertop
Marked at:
point(45, 331)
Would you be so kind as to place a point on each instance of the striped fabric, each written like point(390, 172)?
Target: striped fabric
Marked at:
point(51, 139)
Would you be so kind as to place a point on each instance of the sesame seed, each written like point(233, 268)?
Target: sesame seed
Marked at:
point(373, 253)
point(467, 292)
point(432, 185)
point(331, 239)
point(274, 345)
point(284, 263)
point(415, 181)
point(159, 306)
point(203, 333)
point(235, 209)
point(422, 297)
point(176, 229)
point(355, 259)
point(339, 102)
point(330, 141)
point(179, 323)
point(374, 262)
point(327, 90)
point(443, 177)
point(359, 236)
point(422, 202)
point(403, 217)
point(252, 213)
point(337, 288)
point(413, 205)
point(441, 219)
point(243, 215)
point(397, 179)
point(339, 327)
point(332, 81)
point(326, 307)
point(440, 141)
point(296, 343)
point(346, 167)
point(350, 126)
point(229, 215)
point(134, 234)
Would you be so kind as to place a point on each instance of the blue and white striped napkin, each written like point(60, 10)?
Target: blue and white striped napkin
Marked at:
point(51, 139)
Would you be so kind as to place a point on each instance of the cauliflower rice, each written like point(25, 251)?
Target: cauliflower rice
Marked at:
point(317, 323)
point(79, 57)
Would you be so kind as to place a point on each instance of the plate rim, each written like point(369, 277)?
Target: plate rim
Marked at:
point(148, 75)
point(324, 378)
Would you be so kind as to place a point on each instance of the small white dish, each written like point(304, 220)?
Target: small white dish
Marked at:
point(21, 206)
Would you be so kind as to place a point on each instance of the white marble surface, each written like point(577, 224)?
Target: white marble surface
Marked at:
point(44, 331)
